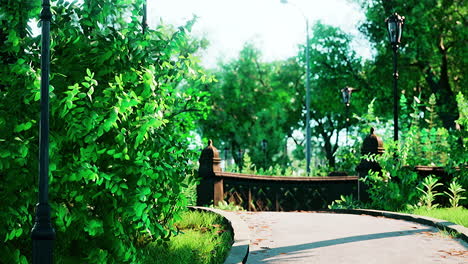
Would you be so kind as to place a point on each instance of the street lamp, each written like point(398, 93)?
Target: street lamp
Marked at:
point(307, 89)
point(42, 233)
point(395, 29)
point(346, 94)
point(264, 148)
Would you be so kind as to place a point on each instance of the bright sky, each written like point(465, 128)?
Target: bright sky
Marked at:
point(275, 28)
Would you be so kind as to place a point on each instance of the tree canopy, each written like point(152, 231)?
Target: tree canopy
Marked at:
point(433, 51)
point(254, 101)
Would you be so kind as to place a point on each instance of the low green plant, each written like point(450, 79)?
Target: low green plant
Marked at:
point(429, 193)
point(391, 188)
point(223, 205)
point(345, 202)
point(448, 233)
point(455, 195)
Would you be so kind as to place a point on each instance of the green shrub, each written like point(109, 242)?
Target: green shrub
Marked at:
point(120, 129)
point(395, 187)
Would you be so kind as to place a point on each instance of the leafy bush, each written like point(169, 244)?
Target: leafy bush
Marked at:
point(120, 129)
point(394, 188)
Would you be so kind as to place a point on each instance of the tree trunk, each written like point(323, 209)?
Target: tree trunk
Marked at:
point(329, 150)
point(446, 100)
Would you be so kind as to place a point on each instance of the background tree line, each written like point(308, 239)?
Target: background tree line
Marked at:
point(431, 62)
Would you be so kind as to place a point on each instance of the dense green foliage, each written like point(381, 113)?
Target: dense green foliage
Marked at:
point(254, 101)
point(204, 238)
point(120, 128)
point(398, 186)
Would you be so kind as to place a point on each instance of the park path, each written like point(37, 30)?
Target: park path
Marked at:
point(307, 237)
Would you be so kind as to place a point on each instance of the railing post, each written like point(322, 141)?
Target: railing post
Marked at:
point(372, 144)
point(211, 186)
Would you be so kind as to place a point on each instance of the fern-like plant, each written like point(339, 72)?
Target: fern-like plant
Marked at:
point(429, 194)
point(455, 195)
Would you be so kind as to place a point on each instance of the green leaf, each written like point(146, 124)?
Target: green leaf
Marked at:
point(94, 227)
point(139, 207)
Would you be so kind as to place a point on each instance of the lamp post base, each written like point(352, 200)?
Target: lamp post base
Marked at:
point(43, 236)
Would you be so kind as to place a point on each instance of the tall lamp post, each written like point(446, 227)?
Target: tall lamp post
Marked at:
point(395, 29)
point(42, 233)
point(307, 89)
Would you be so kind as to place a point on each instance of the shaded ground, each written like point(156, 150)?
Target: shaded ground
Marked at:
point(291, 237)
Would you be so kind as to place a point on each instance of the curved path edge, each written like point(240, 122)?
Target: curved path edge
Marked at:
point(240, 248)
point(441, 224)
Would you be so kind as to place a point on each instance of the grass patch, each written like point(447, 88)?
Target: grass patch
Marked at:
point(457, 215)
point(204, 238)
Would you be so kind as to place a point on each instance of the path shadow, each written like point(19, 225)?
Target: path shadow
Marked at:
point(333, 242)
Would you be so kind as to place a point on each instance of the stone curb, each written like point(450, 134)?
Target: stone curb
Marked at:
point(240, 247)
point(441, 224)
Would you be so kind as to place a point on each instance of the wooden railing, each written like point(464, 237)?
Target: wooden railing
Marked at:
point(268, 193)
point(274, 193)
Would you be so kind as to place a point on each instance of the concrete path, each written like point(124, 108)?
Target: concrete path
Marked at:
point(291, 237)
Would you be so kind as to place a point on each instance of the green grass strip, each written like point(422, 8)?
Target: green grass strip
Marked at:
point(205, 238)
point(457, 215)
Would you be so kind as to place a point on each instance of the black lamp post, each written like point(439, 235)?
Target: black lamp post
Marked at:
point(395, 29)
point(264, 148)
point(42, 233)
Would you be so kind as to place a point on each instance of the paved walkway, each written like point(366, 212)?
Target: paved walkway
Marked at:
point(285, 237)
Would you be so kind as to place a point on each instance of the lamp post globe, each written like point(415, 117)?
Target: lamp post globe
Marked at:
point(395, 28)
point(346, 93)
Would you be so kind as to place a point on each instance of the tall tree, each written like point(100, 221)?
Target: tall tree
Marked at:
point(433, 53)
point(334, 65)
point(254, 101)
